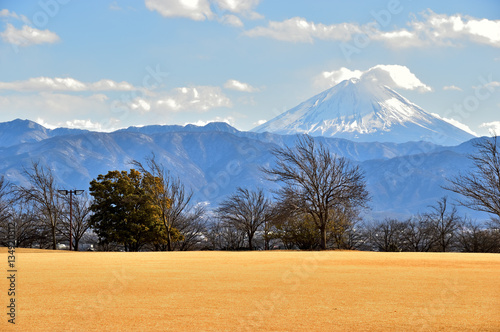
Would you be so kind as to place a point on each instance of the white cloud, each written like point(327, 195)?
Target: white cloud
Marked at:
point(328, 79)
point(489, 84)
point(82, 124)
point(239, 86)
point(260, 122)
point(493, 127)
point(198, 10)
point(73, 124)
point(199, 98)
point(298, 29)
point(457, 124)
point(483, 31)
point(201, 10)
point(65, 84)
point(9, 14)
point(140, 104)
point(114, 6)
point(56, 108)
point(237, 6)
point(100, 105)
point(394, 76)
point(494, 84)
point(43, 123)
point(431, 29)
point(242, 7)
point(231, 20)
point(110, 85)
point(229, 120)
point(451, 88)
point(445, 30)
point(28, 36)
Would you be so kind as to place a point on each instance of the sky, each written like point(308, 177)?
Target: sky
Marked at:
point(104, 65)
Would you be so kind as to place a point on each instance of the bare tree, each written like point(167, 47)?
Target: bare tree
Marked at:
point(6, 230)
point(169, 195)
point(246, 210)
point(80, 219)
point(42, 193)
point(481, 185)
point(213, 234)
point(342, 230)
point(221, 236)
point(387, 235)
point(418, 234)
point(4, 204)
point(320, 181)
point(21, 220)
point(268, 235)
point(192, 229)
point(444, 224)
point(474, 238)
point(291, 225)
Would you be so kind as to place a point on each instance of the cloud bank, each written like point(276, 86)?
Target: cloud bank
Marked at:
point(239, 86)
point(426, 29)
point(27, 36)
point(224, 11)
point(394, 76)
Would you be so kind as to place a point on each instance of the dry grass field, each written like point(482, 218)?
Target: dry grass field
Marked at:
point(254, 291)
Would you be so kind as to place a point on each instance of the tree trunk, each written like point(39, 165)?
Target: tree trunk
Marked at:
point(54, 241)
point(169, 229)
point(169, 241)
point(250, 236)
point(323, 237)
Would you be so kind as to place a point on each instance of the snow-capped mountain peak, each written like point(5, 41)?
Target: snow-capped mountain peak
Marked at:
point(363, 110)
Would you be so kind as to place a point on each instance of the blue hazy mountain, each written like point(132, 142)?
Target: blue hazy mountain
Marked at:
point(215, 159)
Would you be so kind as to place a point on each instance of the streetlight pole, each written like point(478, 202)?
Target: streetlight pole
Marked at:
point(70, 192)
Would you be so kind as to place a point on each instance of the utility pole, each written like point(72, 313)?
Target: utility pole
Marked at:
point(70, 192)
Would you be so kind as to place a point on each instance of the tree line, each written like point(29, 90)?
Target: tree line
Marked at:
point(318, 206)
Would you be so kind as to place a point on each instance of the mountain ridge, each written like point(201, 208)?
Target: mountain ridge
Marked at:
point(403, 178)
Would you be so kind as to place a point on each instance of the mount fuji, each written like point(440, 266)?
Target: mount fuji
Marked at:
point(364, 111)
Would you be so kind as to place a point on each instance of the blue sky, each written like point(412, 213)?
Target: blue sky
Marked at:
point(104, 65)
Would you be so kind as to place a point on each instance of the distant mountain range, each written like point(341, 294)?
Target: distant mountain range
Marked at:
point(403, 178)
point(364, 111)
point(25, 131)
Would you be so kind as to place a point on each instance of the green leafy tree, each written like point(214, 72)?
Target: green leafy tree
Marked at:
point(123, 210)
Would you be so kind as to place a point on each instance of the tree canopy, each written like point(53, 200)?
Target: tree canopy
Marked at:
point(124, 211)
point(318, 182)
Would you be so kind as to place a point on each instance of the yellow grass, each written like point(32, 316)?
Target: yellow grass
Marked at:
point(254, 291)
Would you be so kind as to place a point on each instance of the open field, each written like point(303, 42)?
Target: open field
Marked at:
point(254, 291)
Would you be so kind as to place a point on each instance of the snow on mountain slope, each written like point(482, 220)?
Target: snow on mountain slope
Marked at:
point(364, 111)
